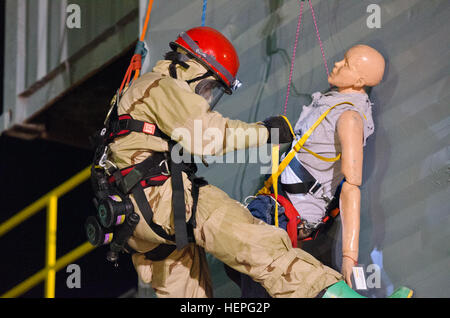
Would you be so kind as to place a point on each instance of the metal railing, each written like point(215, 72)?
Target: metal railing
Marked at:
point(52, 265)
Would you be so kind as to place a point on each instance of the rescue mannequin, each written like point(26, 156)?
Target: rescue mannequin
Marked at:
point(361, 67)
point(179, 93)
point(344, 131)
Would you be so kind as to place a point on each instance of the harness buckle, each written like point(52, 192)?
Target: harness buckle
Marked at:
point(315, 187)
point(108, 165)
point(309, 226)
point(166, 165)
point(306, 230)
point(327, 199)
point(103, 158)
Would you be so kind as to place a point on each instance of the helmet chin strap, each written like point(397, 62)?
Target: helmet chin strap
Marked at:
point(199, 78)
point(177, 58)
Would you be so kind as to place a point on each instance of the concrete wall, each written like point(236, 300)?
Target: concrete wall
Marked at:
point(404, 211)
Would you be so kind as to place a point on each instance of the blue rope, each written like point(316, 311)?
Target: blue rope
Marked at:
point(205, 3)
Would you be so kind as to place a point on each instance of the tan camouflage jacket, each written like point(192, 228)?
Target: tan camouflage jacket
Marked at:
point(172, 105)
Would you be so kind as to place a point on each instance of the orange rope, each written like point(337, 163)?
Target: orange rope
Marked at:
point(136, 61)
point(147, 19)
point(144, 31)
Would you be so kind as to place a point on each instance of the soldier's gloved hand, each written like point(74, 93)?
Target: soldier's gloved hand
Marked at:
point(284, 131)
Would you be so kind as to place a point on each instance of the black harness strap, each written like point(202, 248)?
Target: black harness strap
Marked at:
point(151, 166)
point(177, 58)
point(147, 213)
point(178, 204)
point(308, 184)
point(173, 70)
point(161, 252)
point(126, 124)
point(301, 187)
point(197, 183)
point(142, 202)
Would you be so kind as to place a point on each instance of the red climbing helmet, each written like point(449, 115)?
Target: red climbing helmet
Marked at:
point(214, 51)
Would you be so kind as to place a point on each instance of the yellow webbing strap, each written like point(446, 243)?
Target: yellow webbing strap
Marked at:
point(321, 157)
point(312, 152)
point(275, 174)
point(275, 160)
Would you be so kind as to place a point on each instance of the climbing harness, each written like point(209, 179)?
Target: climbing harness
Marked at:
point(116, 219)
point(112, 186)
point(309, 184)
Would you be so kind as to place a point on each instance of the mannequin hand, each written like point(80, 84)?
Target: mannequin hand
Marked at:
point(347, 270)
point(284, 131)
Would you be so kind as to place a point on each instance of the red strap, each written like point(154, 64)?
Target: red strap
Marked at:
point(334, 212)
point(144, 183)
point(292, 215)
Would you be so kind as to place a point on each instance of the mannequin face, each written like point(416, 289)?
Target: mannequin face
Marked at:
point(344, 73)
point(361, 66)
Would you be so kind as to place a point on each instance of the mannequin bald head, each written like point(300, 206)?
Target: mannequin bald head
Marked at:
point(362, 66)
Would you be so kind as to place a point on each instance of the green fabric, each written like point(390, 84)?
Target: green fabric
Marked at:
point(342, 290)
point(402, 292)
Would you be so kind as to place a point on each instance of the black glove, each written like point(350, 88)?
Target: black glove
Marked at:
point(284, 132)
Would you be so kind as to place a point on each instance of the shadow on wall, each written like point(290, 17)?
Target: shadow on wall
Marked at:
point(376, 162)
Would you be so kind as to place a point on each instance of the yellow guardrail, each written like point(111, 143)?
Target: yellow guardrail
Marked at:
point(52, 265)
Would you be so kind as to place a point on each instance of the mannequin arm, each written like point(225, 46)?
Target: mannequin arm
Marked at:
point(350, 132)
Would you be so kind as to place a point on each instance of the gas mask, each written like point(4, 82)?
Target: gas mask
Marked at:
point(210, 89)
point(209, 86)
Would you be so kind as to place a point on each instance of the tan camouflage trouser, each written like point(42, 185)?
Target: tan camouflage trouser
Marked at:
point(228, 231)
